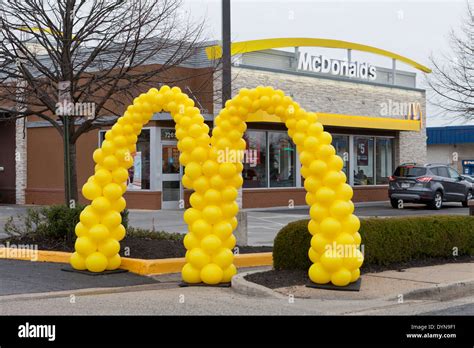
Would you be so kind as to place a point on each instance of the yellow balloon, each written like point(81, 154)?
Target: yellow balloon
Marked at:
point(212, 213)
point(111, 219)
point(212, 274)
point(229, 194)
point(330, 227)
point(88, 217)
point(193, 170)
point(78, 262)
point(318, 212)
point(110, 162)
point(114, 262)
point(222, 229)
point(119, 205)
point(223, 258)
point(191, 274)
point(85, 245)
point(201, 228)
point(103, 177)
point(342, 277)
point(319, 242)
point(81, 230)
point(355, 274)
point(201, 184)
point(209, 168)
point(99, 232)
point(229, 272)
point(331, 261)
point(109, 247)
point(318, 274)
point(325, 195)
point(340, 209)
point(230, 210)
point(96, 262)
point(101, 204)
point(191, 241)
point(198, 257)
point(227, 170)
point(212, 196)
point(230, 242)
point(313, 255)
point(197, 201)
point(91, 190)
point(191, 215)
point(118, 233)
point(211, 243)
point(112, 191)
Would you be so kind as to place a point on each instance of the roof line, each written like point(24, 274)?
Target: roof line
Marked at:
point(215, 52)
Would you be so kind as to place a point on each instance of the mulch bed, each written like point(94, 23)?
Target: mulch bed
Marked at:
point(284, 278)
point(140, 248)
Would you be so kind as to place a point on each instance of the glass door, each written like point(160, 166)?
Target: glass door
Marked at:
point(170, 176)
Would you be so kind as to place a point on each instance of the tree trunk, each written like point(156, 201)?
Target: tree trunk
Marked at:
point(72, 168)
point(73, 171)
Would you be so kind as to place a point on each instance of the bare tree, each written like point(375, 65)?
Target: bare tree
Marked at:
point(453, 76)
point(89, 52)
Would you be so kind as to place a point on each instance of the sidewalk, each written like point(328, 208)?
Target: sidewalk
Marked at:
point(432, 282)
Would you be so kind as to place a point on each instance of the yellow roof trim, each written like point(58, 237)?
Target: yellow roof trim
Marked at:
point(340, 120)
point(215, 52)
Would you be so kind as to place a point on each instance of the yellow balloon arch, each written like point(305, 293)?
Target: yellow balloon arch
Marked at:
point(215, 178)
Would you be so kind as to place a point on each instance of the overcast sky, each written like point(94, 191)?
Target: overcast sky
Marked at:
point(415, 29)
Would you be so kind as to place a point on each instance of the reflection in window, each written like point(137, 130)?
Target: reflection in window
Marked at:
point(139, 173)
point(170, 159)
point(255, 173)
point(341, 144)
point(383, 159)
point(282, 160)
point(364, 160)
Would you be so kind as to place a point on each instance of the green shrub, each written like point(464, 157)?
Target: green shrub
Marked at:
point(385, 240)
point(53, 222)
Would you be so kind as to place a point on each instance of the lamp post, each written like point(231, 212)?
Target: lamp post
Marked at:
point(226, 62)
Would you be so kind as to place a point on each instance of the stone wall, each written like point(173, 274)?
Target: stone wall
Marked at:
point(343, 97)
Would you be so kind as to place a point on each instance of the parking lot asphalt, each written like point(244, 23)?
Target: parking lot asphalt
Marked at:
point(23, 277)
point(263, 224)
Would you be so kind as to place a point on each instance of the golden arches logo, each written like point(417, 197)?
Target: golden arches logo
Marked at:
point(212, 219)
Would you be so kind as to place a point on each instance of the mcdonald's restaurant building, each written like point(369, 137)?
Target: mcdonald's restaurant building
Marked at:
point(376, 116)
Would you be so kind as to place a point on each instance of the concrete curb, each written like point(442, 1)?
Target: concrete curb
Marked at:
point(244, 287)
point(83, 292)
point(442, 292)
point(439, 292)
point(139, 266)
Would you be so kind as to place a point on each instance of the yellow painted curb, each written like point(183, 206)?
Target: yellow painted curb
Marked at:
point(138, 266)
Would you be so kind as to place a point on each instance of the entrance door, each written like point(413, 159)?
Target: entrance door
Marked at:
point(171, 192)
point(7, 162)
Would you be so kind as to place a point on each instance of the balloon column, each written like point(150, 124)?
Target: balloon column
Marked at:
point(213, 170)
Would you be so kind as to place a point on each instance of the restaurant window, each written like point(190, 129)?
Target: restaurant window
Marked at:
point(139, 173)
point(383, 159)
point(255, 169)
point(341, 144)
point(281, 160)
point(363, 161)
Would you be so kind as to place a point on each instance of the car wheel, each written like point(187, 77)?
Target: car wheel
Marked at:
point(468, 198)
point(395, 204)
point(437, 202)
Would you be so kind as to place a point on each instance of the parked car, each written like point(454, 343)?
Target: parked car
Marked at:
point(430, 184)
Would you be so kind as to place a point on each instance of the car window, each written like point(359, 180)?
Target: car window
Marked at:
point(409, 171)
point(443, 171)
point(435, 171)
point(454, 174)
